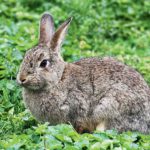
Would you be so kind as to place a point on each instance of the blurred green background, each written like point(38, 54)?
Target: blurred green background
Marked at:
point(118, 28)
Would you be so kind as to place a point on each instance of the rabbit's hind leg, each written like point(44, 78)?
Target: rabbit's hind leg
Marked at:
point(101, 126)
point(104, 112)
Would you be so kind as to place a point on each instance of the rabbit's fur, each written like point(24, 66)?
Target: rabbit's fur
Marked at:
point(90, 94)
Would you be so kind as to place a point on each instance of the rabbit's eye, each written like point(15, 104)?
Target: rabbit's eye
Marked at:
point(44, 63)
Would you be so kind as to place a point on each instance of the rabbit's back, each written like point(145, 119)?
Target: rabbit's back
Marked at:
point(120, 94)
point(108, 71)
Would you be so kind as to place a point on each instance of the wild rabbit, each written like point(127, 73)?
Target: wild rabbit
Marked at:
point(90, 94)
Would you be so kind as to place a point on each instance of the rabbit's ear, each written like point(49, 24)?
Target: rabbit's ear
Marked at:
point(46, 29)
point(59, 35)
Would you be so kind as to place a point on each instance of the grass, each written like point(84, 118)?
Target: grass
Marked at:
point(118, 28)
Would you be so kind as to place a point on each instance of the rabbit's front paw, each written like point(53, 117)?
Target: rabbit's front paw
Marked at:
point(80, 128)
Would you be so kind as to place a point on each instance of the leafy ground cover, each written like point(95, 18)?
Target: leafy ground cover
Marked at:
point(64, 137)
point(118, 28)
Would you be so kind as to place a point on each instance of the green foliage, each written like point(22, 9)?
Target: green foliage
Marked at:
point(119, 28)
point(64, 137)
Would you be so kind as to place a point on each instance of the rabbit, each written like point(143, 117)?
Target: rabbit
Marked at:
point(91, 93)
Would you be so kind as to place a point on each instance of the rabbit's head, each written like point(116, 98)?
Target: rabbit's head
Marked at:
point(43, 65)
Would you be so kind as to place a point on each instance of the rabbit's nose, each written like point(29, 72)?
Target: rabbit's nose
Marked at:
point(22, 79)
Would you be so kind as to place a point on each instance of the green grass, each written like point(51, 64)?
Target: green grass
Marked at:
point(118, 28)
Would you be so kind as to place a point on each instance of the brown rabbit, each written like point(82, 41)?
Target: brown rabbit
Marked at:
point(90, 94)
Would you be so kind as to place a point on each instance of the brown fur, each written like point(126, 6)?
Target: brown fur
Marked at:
point(89, 93)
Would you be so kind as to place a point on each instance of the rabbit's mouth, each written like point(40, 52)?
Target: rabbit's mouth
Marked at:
point(32, 86)
point(31, 82)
